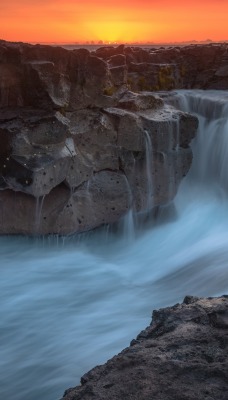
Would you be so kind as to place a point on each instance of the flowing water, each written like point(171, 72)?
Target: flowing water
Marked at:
point(149, 162)
point(69, 304)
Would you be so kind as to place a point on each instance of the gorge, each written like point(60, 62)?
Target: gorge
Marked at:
point(71, 302)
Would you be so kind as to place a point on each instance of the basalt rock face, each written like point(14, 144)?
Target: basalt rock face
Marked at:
point(43, 76)
point(65, 174)
point(77, 145)
point(187, 67)
point(182, 355)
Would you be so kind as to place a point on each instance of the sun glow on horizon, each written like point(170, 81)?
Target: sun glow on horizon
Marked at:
point(119, 21)
point(121, 31)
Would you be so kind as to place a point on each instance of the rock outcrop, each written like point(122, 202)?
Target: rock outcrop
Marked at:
point(52, 77)
point(180, 67)
point(182, 355)
point(78, 148)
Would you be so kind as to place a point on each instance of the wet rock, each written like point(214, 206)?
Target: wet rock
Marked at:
point(39, 154)
point(103, 199)
point(47, 77)
point(67, 118)
point(140, 101)
point(118, 75)
point(128, 127)
point(38, 174)
point(95, 139)
point(181, 355)
point(25, 214)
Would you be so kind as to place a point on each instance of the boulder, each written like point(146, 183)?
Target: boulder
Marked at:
point(106, 52)
point(118, 75)
point(140, 101)
point(182, 355)
point(117, 60)
point(37, 153)
point(128, 128)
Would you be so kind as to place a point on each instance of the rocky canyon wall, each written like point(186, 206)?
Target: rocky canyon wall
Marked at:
point(85, 136)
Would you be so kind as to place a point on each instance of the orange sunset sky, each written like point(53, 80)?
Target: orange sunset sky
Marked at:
point(117, 20)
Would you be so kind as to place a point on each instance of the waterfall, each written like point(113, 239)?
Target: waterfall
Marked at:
point(149, 163)
point(211, 104)
point(38, 213)
point(210, 148)
point(66, 309)
point(129, 218)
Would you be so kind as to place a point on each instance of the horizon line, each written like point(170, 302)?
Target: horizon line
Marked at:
point(119, 42)
point(105, 43)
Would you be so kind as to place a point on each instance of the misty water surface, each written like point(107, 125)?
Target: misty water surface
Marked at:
point(68, 304)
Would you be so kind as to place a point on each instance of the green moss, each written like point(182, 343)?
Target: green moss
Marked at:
point(155, 88)
point(63, 109)
point(165, 78)
point(109, 91)
point(143, 84)
point(183, 71)
point(129, 83)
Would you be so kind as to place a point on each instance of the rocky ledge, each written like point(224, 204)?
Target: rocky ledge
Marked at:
point(85, 136)
point(79, 148)
point(182, 355)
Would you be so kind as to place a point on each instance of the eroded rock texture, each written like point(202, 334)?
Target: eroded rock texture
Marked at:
point(182, 355)
point(78, 148)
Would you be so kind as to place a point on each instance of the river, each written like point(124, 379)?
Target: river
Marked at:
point(68, 304)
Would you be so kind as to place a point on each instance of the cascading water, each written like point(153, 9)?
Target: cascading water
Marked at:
point(38, 213)
point(149, 155)
point(65, 309)
point(211, 145)
point(128, 220)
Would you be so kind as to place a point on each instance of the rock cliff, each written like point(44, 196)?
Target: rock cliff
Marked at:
point(85, 137)
point(182, 355)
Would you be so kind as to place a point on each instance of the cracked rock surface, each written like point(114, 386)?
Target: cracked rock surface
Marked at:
point(182, 355)
point(77, 143)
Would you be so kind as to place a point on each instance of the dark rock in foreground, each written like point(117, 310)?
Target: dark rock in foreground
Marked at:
point(182, 355)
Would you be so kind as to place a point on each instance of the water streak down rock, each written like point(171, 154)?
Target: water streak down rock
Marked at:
point(182, 355)
point(69, 122)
